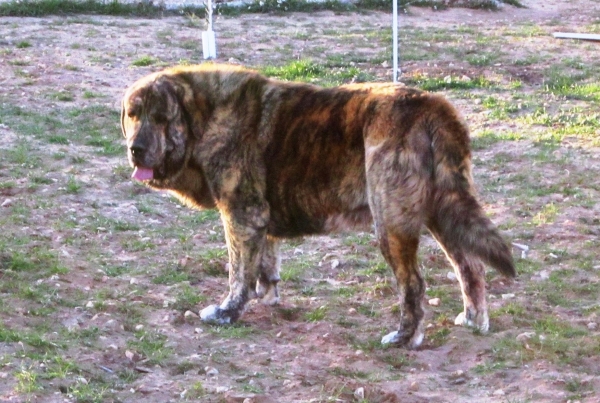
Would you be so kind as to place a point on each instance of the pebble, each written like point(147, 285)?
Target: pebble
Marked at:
point(451, 276)
point(190, 316)
point(508, 296)
point(434, 302)
point(414, 387)
point(6, 203)
point(498, 392)
point(359, 393)
point(458, 377)
point(211, 371)
point(525, 336)
point(592, 326)
point(221, 389)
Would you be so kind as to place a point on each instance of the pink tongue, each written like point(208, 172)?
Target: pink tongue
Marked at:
point(142, 174)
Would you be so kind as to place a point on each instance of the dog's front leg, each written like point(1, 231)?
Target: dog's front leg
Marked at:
point(245, 233)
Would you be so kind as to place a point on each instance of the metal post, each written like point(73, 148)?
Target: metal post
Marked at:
point(395, 40)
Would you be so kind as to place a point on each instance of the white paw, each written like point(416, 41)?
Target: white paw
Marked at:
point(212, 314)
point(390, 338)
point(394, 338)
point(271, 297)
point(481, 322)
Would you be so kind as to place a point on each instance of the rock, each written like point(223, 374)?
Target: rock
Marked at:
point(210, 371)
point(335, 263)
point(190, 316)
point(592, 326)
point(221, 389)
point(508, 296)
point(139, 327)
point(6, 203)
point(434, 302)
point(451, 276)
point(458, 377)
point(414, 387)
point(359, 393)
point(498, 392)
point(523, 337)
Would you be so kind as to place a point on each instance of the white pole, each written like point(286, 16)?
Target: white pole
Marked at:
point(210, 11)
point(209, 45)
point(395, 40)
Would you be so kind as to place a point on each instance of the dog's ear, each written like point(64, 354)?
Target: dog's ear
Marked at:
point(195, 105)
point(123, 117)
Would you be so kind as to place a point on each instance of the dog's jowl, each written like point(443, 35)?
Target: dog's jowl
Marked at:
point(281, 159)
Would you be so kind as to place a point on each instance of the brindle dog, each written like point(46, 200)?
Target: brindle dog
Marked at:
point(280, 160)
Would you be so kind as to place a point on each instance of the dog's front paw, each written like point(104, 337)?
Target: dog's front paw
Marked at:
point(479, 320)
point(268, 293)
point(401, 339)
point(214, 314)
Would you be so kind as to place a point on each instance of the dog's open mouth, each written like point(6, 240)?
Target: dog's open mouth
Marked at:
point(143, 174)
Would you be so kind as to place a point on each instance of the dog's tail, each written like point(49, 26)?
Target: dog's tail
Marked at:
point(455, 218)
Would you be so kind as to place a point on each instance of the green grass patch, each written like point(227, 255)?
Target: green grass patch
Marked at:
point(39, 8)
point(188, 298)
point(144, 61)
point(448, 83)
point(316, 315)
point(151, 346)
point(308, 71)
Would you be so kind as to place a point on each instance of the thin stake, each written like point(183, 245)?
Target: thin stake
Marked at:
point(395, 40)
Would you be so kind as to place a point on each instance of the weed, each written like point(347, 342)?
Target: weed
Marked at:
point(316, 315)
point(196, 391)
point(144, 61)
point(151, 346)
point(27, 381)
point(235, 331)
point(187, 298)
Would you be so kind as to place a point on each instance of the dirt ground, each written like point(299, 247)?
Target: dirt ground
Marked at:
point(277, 354)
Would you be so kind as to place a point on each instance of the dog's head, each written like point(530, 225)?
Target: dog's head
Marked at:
point(156, 128)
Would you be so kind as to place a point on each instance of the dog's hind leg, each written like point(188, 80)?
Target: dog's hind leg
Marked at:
point(268, 273)
point(397, 189)
point(455, 240)
point(471, 277)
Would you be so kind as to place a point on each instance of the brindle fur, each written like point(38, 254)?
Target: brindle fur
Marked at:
point(281, 160)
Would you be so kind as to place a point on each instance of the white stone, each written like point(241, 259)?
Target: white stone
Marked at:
point(434, 302)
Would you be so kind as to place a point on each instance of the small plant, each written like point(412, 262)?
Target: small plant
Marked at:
point(188, 298)
point(144, 61)
point(73, 186)
point(316, 315)
point(27, 381)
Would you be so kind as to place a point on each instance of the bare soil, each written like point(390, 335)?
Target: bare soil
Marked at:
point(280, 354)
